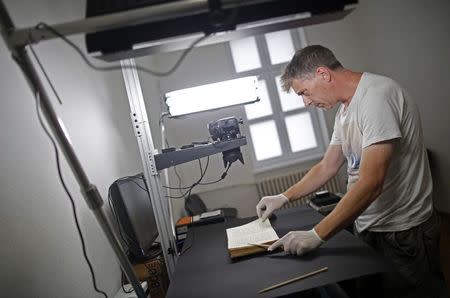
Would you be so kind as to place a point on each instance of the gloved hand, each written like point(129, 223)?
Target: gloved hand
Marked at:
point(298, 242)
point(270, 203)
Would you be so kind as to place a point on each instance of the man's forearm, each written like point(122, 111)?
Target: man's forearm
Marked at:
point(315, 178)
point(357, 199)
point(375, 161)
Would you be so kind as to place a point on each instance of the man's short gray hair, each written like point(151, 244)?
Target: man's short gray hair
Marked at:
point(305, 62)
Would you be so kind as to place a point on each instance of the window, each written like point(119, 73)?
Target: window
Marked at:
point(281, 131)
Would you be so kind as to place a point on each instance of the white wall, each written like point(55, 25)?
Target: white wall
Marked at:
point(41, 251)
point(407, 40)
point(416, 52)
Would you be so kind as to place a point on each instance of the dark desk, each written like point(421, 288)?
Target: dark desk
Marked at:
point(206, 270)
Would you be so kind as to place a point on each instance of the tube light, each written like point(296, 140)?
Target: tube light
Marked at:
point(212, 96)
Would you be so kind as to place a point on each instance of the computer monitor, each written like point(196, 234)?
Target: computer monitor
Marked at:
point(131, 205)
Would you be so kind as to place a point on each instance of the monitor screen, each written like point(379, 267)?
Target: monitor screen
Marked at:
point(133, 210)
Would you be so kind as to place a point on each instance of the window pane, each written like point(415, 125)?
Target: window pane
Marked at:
point(301, 132)
point(281, 47)
point(266, 142)
point(263, 106)
point(245, 54)
point(289, 101)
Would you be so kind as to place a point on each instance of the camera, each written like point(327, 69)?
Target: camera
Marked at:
point(227, 129)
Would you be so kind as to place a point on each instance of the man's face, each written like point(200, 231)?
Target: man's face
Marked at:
point(315, 91)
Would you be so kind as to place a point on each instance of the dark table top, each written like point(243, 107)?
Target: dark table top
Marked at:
point(205, 269)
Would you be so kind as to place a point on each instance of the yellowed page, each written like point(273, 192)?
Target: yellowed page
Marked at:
point(256, 231)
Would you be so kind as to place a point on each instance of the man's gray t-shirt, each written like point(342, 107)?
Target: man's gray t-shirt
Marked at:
point(381, 110)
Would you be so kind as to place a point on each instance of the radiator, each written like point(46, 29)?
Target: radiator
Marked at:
point(275, 185)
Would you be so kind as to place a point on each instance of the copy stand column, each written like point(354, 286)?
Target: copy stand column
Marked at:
point(143, 135)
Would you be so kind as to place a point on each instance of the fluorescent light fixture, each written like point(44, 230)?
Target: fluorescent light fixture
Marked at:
point(212, 96)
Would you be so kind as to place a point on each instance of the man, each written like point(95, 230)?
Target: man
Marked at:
point(378, 132)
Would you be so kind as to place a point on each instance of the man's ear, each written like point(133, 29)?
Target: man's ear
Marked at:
point(323, 73)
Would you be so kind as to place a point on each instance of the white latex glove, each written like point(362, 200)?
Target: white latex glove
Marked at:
point(298, 242)
point(270, 203)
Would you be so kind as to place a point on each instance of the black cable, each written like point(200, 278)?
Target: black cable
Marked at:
point(45, 74)
point(175, 169)
point(202, 174)
point(181, 196)
point(178, 176)
point(61, 179)
point(224, 174)
point(179, 188)
point(230, 20)
point(131, 178)
point(123, 288)
point(206, 168)
point(127, 177)
point(187, 194)
point(184, 194)
point(200, 165)
point(118, 67)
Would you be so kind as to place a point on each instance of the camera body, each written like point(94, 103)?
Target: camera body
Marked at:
point(225, 129)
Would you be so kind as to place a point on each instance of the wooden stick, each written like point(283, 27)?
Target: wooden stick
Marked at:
point(292, 280)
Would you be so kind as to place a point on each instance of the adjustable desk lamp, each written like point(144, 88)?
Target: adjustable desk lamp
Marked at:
point(240, 18)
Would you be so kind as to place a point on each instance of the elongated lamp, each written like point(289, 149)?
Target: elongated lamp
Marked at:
point(212, 96)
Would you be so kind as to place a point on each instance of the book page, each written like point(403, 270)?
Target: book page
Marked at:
point(256, 231)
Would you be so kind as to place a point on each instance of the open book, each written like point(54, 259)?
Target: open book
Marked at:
point(241, 239)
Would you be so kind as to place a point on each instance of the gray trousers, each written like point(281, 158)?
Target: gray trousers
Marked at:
point(414, 254)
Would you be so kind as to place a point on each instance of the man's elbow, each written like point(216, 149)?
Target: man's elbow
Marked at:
point(374, 187)
point(328, 168)
point(378, 189)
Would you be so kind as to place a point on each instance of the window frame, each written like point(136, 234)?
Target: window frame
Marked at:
point(268, 73)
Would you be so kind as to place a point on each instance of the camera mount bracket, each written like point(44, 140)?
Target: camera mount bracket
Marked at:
point(170, 159)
